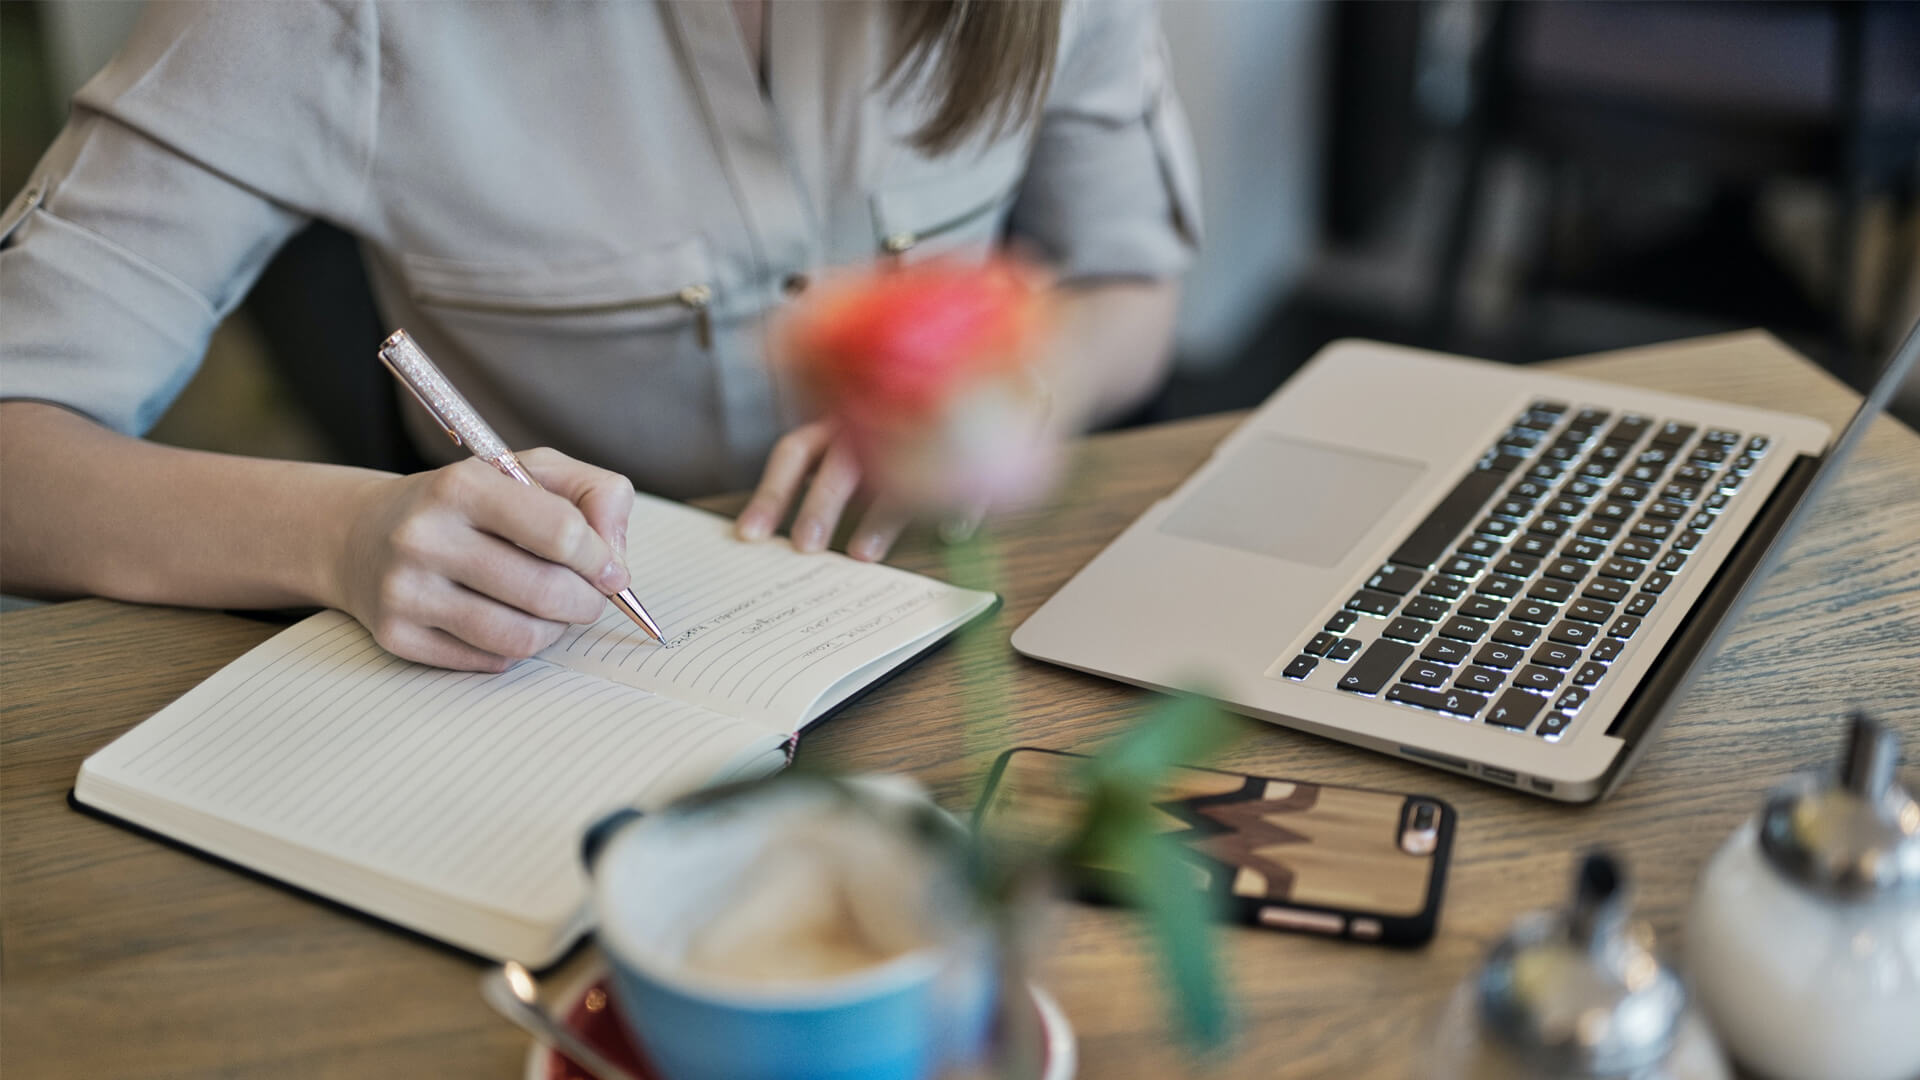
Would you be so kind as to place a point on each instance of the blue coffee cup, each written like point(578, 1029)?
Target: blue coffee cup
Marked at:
point(657, 877)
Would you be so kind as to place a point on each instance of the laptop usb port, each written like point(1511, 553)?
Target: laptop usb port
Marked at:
point(1540, 785)
point(1505, 776)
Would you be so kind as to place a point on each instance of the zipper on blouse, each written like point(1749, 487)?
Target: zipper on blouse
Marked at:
point(696, 298)
point(899, 243)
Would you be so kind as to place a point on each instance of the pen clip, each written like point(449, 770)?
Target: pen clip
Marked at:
point(397, 340)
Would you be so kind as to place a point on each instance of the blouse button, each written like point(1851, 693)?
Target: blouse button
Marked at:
point(794, 284)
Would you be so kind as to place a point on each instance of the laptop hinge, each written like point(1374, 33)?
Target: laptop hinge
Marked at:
point(1702, 627)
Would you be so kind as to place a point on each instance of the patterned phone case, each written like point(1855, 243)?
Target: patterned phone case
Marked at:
point(1280, 854)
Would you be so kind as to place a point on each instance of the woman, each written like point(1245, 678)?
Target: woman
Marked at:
point(584, 212)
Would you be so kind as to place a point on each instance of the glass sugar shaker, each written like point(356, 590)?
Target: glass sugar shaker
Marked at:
point(1574, 995)
point(1804, 935)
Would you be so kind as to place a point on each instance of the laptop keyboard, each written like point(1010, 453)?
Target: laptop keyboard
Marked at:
point(1509, 604)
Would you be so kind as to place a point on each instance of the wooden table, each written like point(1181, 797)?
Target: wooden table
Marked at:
point(124, 957)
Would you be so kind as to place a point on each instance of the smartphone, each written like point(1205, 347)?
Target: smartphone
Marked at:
point(1342, 862)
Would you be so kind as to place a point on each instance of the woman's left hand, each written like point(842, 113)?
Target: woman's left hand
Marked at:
point(819, 457)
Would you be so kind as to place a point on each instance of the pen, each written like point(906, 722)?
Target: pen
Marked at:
point(456, 417)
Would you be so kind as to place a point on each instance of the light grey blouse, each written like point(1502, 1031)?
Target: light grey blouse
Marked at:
point(582, 210)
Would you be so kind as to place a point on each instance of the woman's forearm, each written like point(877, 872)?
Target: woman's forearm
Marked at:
point(89, 511)
point(1114, 346)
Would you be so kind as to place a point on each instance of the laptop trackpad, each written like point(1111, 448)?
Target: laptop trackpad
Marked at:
point(1303, 502)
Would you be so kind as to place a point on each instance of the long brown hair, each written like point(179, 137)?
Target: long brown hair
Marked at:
point(990, 60)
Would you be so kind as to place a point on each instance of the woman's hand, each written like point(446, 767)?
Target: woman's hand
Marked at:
point(463, 567)
point(820, 451)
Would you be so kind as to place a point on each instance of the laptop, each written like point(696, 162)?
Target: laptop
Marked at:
point(1499, 571)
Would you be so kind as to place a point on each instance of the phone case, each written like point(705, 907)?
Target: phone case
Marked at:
point(1279, 854)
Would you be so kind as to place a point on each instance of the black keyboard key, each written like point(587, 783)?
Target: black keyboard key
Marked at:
point(1513, 633)
point(1721, 437)
point(1513, 509)
point(1606, 651)
point(1446, 652)
point(1589, 673)
point(1320, 644)
point(1462, 566)
point(1600, 530)
point(1533, 677)
point(1481, 607)
point(1494, 526)
point(1584, 490)
point(1758, 445)
point(1412, 630)
point(1535, 612)
point(1424, 607)
point(1701, 522)
point(1590, 418)
point(1344, 650)
point(1515, 709)
point(1480, 680)
point(1624, 569)
point(1573, 633)
point(1673, 433)
point(1640, 605)
point(1375, 667)
point(1370, 602)
point(1563, 451)
point(1301, 667)
point(1547, 470)
point(1397, 580)
point(1496, 585)
point(1708, 455)
point(1693, 474)
point(1731, 481)
point(1623, 627)
point(1427, 673)
point(1599, 470)
point(1480, 547)
point(1552, 590)
point(1686, 541)
point(1447, 520)
point(1637, 549)
point(1680, 492)
point(1553, 726)
point(1653, 530)
point(1606, 589)
point(1715, 502)
point(1548, 405)
point(1644, 474)
point(1456, 702)
point(1571, 699)
point(1672, 561)
point(1464, 629)
point(1592, 611)
point(1447, 587)
point(1510, 458)
point(1555, 655)
point(1548, 526)
point(1742, 464)
point(1666, 510)
point(1534, 545)
point(1341, 622)
point(1628, 491)
point(1517, 566)
point(1530, 490)
point(1584, 550)
point(1655, 455)
point(1613, 511)
point(1539, 420)
point(1495, 655)
point(1629, 428)
point(1566, 508)
point(1567, 569)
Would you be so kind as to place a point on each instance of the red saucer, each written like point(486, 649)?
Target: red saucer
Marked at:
point(592, 1016)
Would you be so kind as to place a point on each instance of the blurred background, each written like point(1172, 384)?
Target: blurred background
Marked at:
point(1512, 180)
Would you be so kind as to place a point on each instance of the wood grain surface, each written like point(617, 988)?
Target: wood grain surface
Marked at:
point(124, 957)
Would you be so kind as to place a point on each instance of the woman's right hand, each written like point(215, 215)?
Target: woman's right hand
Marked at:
point(463, 567)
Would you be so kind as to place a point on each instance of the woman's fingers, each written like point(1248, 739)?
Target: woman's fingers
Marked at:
point(486, 624)
point(546, 524)
point(879, 527)
point(793, 457)
point(603, 496)
point(430, 645)
point(833, 484)
point(546, 590)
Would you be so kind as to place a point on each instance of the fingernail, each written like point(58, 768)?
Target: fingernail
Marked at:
point(868, 548)
point(810, 536)
point(612, 577)
point(753, 526)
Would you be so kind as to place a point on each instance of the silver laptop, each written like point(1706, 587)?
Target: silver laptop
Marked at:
point(1495, 570)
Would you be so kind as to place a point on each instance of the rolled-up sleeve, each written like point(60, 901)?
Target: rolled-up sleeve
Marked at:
point(185, 165)
point(1112, 187)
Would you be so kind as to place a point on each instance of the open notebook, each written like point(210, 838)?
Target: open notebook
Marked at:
point(452, 803)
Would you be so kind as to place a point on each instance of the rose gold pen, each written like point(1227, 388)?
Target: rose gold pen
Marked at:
point(418, 374)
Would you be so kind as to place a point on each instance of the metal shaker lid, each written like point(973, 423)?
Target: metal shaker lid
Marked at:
point(1579, 992)
point(1852, 839)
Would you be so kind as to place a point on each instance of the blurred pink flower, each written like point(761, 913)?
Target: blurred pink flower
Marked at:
point(930, 368)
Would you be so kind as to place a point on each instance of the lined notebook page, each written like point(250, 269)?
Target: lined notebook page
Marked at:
point(476, 787)
point(755, 630)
